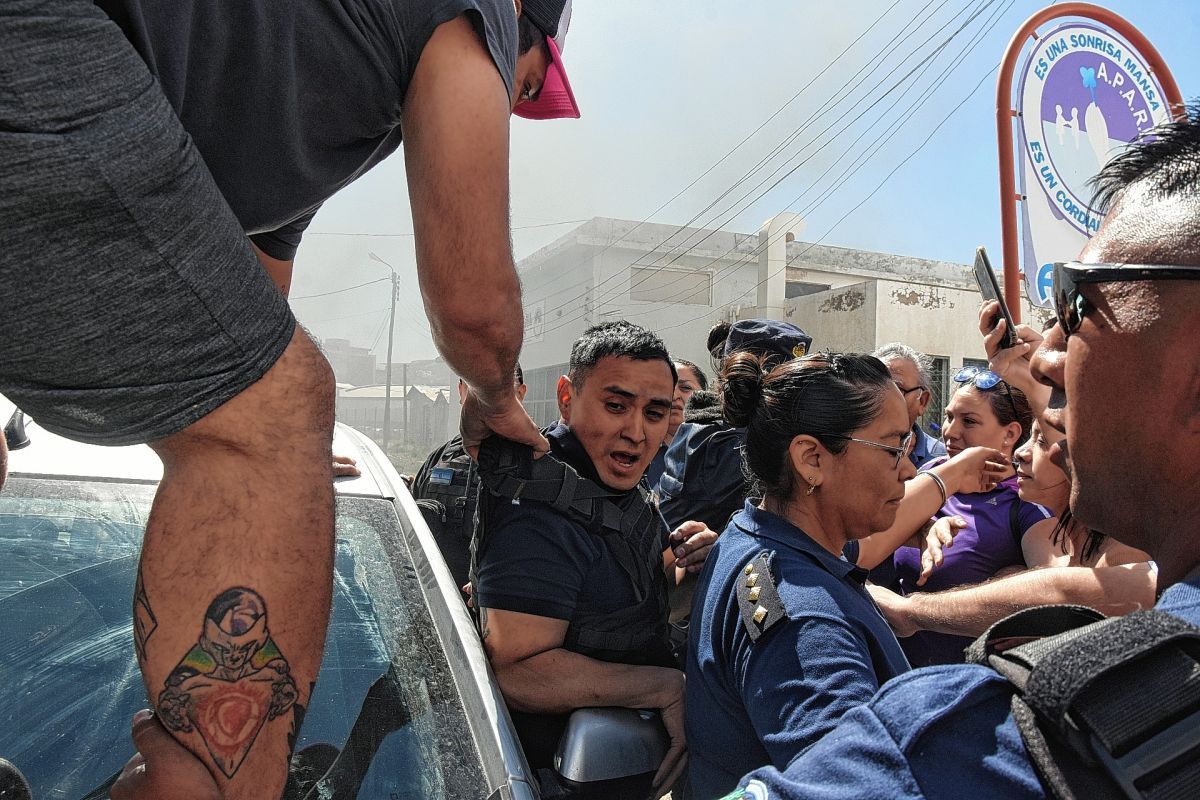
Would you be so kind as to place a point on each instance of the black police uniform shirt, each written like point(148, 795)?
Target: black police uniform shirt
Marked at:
point(536, 561)
point(290, 100)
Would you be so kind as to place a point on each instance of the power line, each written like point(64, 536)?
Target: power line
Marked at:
point(838, 98)
point(339, 291)
point(852, 85)
point(725, 157)
point(857, 160)
point(922, 65)
point(874, 191)
point(396, 235)
point(926, 61)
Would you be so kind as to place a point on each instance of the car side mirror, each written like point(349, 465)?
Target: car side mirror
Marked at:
point(618, 749)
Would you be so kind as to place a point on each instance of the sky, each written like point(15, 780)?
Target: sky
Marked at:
point(880, 115)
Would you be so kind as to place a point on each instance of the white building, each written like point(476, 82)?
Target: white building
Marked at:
point(431, 413)
point(678, 282)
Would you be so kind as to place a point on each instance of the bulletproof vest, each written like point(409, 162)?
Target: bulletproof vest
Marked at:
point(446, 490)
point(626, 525)
point(1107, 708)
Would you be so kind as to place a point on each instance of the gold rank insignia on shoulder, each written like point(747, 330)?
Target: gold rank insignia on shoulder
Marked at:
point(758, 601)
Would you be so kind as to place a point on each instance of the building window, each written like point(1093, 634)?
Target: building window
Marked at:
point(541, 387)
point(931, 420)
point(664, 285)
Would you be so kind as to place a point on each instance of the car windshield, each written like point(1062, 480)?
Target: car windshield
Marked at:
point(69, 682)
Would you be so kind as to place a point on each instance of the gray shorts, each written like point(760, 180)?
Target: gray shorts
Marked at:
point(131, 304)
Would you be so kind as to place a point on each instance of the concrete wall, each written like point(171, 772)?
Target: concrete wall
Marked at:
point(936, 320)
point(585, 277)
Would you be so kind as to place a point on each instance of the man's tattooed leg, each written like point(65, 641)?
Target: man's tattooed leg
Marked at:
point(232, 681)
point(144, 621)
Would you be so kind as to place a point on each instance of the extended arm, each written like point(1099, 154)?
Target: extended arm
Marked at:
point(971, 610)
point(537, 675)
point(456, 152)
point(974, 469)
point(1012, 363)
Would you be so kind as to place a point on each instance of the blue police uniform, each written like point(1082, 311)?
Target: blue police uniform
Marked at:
point(702, 475)
point(939, 732)
point(784, 641)
point(925, 448)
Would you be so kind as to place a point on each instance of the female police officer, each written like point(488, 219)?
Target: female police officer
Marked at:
point(785, 639)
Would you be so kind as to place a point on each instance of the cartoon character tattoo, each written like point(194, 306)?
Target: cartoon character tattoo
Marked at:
point(231, 682)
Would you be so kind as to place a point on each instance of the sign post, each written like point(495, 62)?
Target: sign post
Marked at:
point(1086, 89)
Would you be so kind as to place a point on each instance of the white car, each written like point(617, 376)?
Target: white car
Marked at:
point(405, 701)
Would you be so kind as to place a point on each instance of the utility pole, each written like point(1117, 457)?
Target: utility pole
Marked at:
point(405, 365)
point(387, 398)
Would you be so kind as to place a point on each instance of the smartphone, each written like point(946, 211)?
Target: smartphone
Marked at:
point(990, 289)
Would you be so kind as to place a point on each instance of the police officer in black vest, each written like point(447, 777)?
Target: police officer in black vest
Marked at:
point(446, 488)
point(571, 570)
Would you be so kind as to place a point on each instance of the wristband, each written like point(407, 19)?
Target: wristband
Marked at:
point(938, 480)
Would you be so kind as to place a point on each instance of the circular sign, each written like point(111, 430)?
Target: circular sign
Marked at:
point(1085, 93)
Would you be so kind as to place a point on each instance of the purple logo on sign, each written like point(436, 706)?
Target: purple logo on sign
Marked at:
point(1085, 94)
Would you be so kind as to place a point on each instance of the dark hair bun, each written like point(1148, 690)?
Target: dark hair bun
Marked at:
point(716, 338)
point(742, 391)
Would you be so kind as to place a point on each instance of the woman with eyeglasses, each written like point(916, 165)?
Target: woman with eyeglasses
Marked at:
point(1068, 563)
point(784, 637)
point(984, 410)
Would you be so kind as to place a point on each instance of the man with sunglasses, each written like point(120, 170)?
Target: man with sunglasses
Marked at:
point(949, 732)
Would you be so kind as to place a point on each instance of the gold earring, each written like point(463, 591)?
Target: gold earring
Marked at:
point(812, 487)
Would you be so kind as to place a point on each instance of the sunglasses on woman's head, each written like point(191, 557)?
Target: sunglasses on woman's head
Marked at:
point(1070, 306)
point(986, 380)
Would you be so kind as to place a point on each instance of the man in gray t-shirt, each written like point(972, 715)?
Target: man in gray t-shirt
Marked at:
point(152, 168)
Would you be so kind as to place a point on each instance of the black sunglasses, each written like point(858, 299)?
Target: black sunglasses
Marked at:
point(1070, 306)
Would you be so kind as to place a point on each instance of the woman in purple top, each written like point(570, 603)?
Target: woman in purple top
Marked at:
point(983, 411)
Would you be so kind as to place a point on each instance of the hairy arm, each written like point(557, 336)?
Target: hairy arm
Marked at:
point(456, 153)
point(537, 675)
point(971, 610)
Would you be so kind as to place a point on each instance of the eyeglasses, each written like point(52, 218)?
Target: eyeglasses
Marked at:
point(900, 452)
point(907, 392)
point(986, 380)
point(1070, 306)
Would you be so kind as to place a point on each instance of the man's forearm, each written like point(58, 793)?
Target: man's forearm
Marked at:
point(973, 609)
point(558, 681)
point(479, 329)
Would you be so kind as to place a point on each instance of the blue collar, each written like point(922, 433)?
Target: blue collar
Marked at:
point(770, 527)
point(1181, 597)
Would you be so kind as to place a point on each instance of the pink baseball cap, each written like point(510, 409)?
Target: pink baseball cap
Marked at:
point(555, 100)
